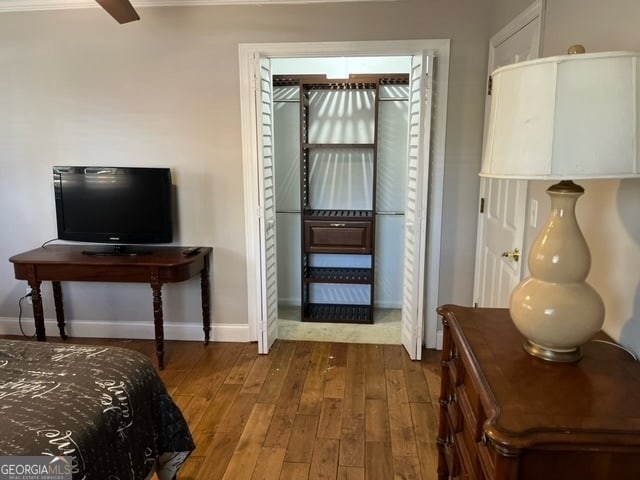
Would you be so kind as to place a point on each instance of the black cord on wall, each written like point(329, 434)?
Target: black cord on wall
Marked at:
point(48, 242)
point(20, 316)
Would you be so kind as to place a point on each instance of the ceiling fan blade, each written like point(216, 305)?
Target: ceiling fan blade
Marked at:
point(121, 10)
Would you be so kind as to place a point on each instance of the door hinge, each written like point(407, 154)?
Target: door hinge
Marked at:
point(489, 85)
point(482, 205)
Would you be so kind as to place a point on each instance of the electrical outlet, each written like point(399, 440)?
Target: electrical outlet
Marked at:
point(29, 293)
point(533, 214)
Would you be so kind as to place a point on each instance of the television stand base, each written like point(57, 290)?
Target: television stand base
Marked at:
point(66, 263)
point(117, 251)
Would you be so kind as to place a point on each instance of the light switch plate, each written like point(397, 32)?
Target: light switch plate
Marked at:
point(533, 214)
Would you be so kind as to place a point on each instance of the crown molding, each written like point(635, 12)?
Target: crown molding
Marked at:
point(31, 5)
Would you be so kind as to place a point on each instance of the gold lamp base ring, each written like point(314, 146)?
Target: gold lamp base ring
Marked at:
point(560, 356)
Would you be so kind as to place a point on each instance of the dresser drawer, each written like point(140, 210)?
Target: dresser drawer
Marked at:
point(471, 407)
point(487, 459)
point(337, 236)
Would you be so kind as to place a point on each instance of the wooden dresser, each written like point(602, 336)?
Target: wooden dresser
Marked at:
point(506, 415)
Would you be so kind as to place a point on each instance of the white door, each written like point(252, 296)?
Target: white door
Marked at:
point(420, 99)
point(268, 328)
point(501, 221)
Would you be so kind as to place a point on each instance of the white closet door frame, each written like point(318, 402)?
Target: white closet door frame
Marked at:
point(251, 152)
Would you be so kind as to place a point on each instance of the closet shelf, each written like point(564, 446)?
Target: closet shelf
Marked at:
point(338, 275)
point(315, 214)
point(354, 82)
point(330, 312)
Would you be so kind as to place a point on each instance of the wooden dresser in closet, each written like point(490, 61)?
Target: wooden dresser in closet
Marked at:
point(505, 415)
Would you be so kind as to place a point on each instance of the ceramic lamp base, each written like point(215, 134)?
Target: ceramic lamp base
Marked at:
point(555, 309)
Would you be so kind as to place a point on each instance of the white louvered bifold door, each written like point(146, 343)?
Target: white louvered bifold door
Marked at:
point(267, 210)
point(420, 100)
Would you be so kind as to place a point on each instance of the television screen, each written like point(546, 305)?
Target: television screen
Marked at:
point(121, 205)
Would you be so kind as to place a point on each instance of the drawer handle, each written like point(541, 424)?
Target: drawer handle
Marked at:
point(485, 440)
point(452, 355)
point(338, 225)
point(452, 399)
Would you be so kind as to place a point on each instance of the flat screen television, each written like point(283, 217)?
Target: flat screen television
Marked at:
point(118, 206)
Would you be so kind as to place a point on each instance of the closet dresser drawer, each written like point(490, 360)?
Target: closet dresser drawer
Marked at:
point(505, 415)
point(338, 236)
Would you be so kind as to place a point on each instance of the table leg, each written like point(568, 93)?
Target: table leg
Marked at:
point(156, 286)
point(38, 313)
point(205, 289)
point(57, 298)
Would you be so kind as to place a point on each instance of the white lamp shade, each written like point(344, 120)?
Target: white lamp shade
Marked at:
point(566, 117)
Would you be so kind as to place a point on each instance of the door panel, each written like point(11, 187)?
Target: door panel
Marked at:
point(503, 227)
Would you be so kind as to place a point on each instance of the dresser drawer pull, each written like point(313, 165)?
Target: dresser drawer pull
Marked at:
point(338, 225)
point(450, 400)
point(485, 440)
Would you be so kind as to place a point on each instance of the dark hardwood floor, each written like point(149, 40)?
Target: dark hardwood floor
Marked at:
point(308, 410)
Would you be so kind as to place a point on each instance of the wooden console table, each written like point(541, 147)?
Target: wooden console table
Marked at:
point(162, 265)
point(505, 415)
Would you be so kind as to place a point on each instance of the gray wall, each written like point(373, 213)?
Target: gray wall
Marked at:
point(79, 88)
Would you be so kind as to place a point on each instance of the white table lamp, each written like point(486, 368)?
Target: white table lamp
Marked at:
point(562, 118)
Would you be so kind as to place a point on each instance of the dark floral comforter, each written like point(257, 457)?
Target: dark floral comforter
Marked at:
point(105, 407)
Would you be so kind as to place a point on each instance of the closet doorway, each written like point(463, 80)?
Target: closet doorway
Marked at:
point(426, 165)
point(347, 113)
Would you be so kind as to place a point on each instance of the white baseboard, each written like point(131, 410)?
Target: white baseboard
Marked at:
point(138, 330)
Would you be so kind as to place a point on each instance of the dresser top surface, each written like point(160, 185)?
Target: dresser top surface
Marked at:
point(595, 398)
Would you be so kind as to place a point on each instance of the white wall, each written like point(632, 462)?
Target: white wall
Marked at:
point(76, 87)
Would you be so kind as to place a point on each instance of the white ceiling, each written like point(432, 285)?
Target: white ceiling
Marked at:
point(24, 5)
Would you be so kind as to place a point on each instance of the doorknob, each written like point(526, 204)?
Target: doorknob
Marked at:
point(515, 254)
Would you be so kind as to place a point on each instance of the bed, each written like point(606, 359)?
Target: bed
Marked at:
point(104, 407)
